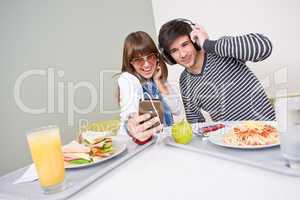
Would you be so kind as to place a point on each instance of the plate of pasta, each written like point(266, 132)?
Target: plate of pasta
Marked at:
point(247, 135)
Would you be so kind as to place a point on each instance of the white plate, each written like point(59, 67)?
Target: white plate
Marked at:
point(118, 145)
point(217, 137)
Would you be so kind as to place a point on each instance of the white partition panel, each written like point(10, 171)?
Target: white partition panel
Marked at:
point(277, 19)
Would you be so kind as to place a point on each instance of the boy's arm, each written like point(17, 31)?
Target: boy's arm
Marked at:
point(250, 47)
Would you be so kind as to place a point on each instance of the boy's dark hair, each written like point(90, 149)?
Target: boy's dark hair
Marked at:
point(169, 32)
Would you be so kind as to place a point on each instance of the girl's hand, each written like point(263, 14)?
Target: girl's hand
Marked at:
point(138, 126)
point(157, 74)
point(157, 77)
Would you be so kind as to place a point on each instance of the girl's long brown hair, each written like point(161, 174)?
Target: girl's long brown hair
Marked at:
point(138, 44)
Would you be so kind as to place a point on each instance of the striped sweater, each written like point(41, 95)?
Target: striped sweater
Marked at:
point(226, 88)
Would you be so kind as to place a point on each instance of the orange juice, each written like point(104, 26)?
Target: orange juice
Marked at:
point(45, 147)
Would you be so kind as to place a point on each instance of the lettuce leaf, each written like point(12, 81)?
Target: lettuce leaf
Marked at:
point(80, 161)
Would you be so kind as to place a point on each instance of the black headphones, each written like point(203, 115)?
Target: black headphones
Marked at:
point(164, 51)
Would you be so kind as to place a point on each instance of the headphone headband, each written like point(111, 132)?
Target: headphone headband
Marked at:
point(186, 21)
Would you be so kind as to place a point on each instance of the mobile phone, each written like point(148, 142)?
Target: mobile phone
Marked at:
point(145, 106)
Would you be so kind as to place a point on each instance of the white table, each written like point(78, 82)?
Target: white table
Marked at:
point(164, 172)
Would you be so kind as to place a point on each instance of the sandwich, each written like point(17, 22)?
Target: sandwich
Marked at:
point(100, 145)
point(103, 148)
point(75, 153)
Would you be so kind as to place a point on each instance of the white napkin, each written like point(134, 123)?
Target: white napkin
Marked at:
point(29, 175)
point(206, 116)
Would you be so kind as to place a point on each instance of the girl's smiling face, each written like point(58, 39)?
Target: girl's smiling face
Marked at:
point(145, 66)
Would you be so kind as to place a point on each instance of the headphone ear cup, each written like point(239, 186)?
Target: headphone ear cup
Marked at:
point(167, 57)
point(196, 46)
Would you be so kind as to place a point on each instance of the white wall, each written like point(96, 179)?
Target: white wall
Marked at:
point(278, 19)
point(81, 39)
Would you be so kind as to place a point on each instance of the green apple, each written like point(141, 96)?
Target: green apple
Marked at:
point(182, 132)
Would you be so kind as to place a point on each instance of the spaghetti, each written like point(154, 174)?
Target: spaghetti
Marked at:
point(252, 133)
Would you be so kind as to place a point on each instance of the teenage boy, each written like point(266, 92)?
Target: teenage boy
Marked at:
point(216, 78)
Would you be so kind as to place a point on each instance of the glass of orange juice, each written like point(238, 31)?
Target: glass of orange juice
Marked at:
point(46, 153)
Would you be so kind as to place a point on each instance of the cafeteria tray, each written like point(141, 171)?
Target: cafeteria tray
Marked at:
point(269, 159)
point(76, 179)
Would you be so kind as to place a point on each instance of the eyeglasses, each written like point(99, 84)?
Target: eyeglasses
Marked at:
point(140, 61)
